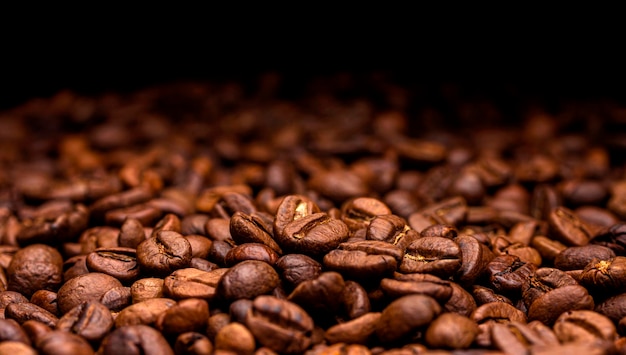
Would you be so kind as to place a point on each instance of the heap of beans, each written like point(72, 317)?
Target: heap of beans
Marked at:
point(212, 218)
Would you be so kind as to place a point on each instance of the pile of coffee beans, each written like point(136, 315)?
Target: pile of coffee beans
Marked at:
point(223, 218)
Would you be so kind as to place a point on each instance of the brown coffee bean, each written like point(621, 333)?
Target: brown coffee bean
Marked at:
point(364, 259)
point(297, 268)
point(251, 229)
point(231, 202)
point(16, 347)
point(355, 331)
point(251, 251)
point(165, 253)
point(91, 320)
point(247, 279)
point(401, 202)
point(33, 268)
point(547, 248)
point(424, 284)
point(192, 343)
point(98, 237)
point(605, 275)
point(75, 266)
point(63, 228)
point(405, 315)
point(280, 325)
point(146, 288)
point(84, 288)
point(338, 185)
point(548, 307)
point(218, 251)
point(22, 312)
point(392, 229)
point(613, 307)
point(146, 312)
point(218, 229)
point(484, 295)
point(313, 235)
point(120, 263)
point(354, 300)
point(320, 296)
point(451, 330)
point(143, 212)
point(135, 339)
point(508, 274)
point(131, 233)
point(193, 283)
point(357, 213)
point(46, 300)
point(63, 343)
point(189, 315)
point(584, 326)
point(568, 228)
point(432, 255)
point(10, 330)
point(460, 301)
point(119, 200)
point(498, 311)
point(583, 192)
point(475, 257)
point(117, 298)
point(576, 258)
point(236, 338)
point(193, 224)
point(450, 211)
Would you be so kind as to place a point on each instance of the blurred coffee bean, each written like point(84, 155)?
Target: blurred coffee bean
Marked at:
point(357, 213)
point(405, 315)
point(135, 339)
point(91, 320)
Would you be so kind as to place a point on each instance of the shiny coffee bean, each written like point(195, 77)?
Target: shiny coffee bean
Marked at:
point(84, 288)
point(432, 255)
point(297, 268)
point(251, 229)
point(312, 235)
point(357, 213)
point(163, 254)
point(364, 259)
point(120, 263)
point(248, 279)
point(91, 320)
point(405, 315)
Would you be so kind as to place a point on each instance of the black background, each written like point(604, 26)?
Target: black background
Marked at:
point(571, 61)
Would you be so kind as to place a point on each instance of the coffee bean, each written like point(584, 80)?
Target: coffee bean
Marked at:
point(120, 263)
point(236, 338)
point(584, 326)
point(251, 229)
point(131, 233)
point(576, 258)
point(84, 288)
point(605, 275)
point(313, 235)
point(356, 331)
point(192, 283)
point(146, 288)
point(135, 339)
point(357, 213)
point(320, 296)
point(15, 347)
point(424, 284)
point(568, 228)
point(405, 315)
point(251, 251)
point(451, 330)
point(192, 343)
point(280, 325)
point(91, 320)
point(365, 259)
point(508, 274)
point(613, 307)
point(33, 268)
point(63, 343)
point(189, 315)
point(297, 268)
point(247, 279)
point(117, 298)
point(146, 312)
point(22, 312)
point(484, 295)
point(10, 330)
point(166, 252)
point(551, 305)
point(46, 300)
point(432, 255)
point(474, 259)
point(354, 300)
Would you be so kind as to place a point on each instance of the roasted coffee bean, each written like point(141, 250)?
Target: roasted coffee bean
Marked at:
point(568, 228)
point(231, 202)
point(390, 228)
point(357, 213)
point(475, 257)
point(338, 185)
point(63, 343)
point(16, 347)
point(425, 284)
point(313, 235)
point(432, 255)
point(450, 211)
point(402, 203)
point(596, 216)
point(484, 295)
point(146, 312)
point(33, 268)
point(134, 340)
point(22, 312)
point(192, 343)
point(46, 300)
point(84, 288)
point(544, 280)
point(218, 229)
point(547, 248)
point(192, 283)
point(297, 268)
point(451, 330)
point(8, 297)
point(613, 307)
point(405, 315)
point(585, 192)
point(576, 258)
point(122, 199)
point(146, 288)
point(508, 274)
point(613, 237)
point(98, 237)
point(189, 315)
point(117, 298)
point(322, 295)
point(143, 212)
point(235, 338)
point(202, 264)
point(460, 301)
point(499, 312)
point(169, 222)
point(10, 330)
point(239, 309)
point(354, 300)
point(251, 229)
point(91, 320)
point(75, 266)
point(292, 208)
point(280, 325)
point(364, 259)
point(200, 245)
point(131, 233)
point(605, 275)
point(218, 251)
point(63, 228)
point(251, 251)
point(166, 252)
point(247, 279)
point(216, 322)
point(548, 307)
point(356, 331)
point(193, 224)
point(584, 326)
point(120, 263)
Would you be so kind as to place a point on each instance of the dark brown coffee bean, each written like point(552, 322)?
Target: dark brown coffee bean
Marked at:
point(146, 288)
point(585, 192)
point(297, 268)
point(135, 340)
point(202, 264)
point(117, 298)
point(251, 229)
point(605, 275)
point(194, 224)
point(498, 311)
point(200, 245)
point(123, 199)
point(547, 248)
point(475, 257)
point(508, 274)
point(355, 301)
point(251, 251)
point(405, 315)
point(543, 201)
point(450, 211)
point(192, 343)
point(338, 185)
point(312, 235)
point(216, 322)
point(120, 263)
point(247, 279)
point(62, 229)
point(192, 283)
point(75, 266)
point(357, 213)
point(576, 258)
point(280, 325)
point(189, 315)
point(451, 330)
point(356, 331)
point(424, 284)
point(231, 202)
point(143, 212)
point(46, 300)
point(239, 309)
point(131, 233)
point(584, 326)
point(322, 295)
point(218, 251)
point(166, 252)
point(218, 229)
point(22, 312)
point(460, 301)
point(84, 288)
point(8, 297)
point(551, 305)
point(33, 268)
point(91, 320)
point(568, 228)
point(432, 255)
point(10, 330)
point(613, 307)
point(169, 222)
point(364, 259)
point(596, 216)
point(63, 343)
point(235, 338)
point(484, 295)
point(146, 312)
point(544, 280)
point(390, 228)
point(98, 237)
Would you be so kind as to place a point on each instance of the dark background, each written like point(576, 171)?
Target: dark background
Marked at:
point(564, 62)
